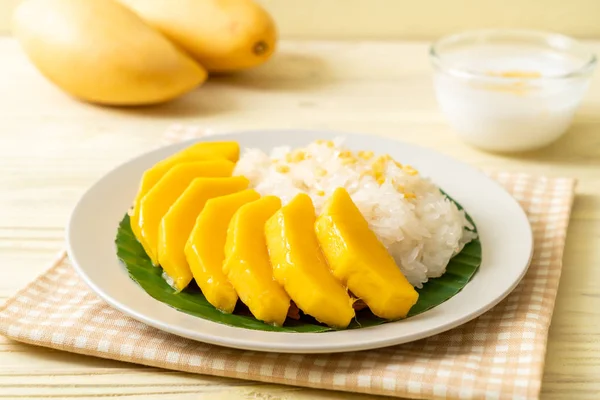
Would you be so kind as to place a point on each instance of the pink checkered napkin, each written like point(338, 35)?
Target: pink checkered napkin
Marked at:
point(499, 355)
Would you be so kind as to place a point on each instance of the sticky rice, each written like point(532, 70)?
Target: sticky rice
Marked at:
point(420, 227)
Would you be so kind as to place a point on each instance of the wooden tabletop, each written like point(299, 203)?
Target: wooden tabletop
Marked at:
point(52, 148)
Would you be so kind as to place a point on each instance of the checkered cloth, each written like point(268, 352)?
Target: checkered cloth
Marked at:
point(499, 355)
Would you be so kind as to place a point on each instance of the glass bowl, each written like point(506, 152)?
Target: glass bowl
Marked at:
point(510, 90)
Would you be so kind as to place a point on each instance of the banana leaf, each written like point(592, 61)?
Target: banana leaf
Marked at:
point(130, 252)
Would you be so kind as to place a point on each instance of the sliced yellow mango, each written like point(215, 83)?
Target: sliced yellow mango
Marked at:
point(178, 222)
point(247, 264)
point(155, 204)
point(205, 252)
point(201, 151)
point(300, 267)
point(360, 261)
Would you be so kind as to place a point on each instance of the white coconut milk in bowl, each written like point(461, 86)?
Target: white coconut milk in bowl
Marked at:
point(510, 90)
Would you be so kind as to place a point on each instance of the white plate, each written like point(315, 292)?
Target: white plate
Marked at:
point(504, 231)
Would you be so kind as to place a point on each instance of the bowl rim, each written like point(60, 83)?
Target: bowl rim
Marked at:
point(436, 56)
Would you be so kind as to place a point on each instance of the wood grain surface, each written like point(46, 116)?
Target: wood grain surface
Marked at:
point(53, 147)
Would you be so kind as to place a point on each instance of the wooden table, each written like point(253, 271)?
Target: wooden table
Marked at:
point(52, 148)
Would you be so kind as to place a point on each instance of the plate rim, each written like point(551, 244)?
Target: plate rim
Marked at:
point(239, 342)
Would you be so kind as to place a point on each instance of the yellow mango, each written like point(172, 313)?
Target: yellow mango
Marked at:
point(300, 267)
point(178, 222)
point(222, 35)
point(360, 261)
point(247, 264)
point(205, 252)
point(196, 152)
point(155, 204)
point(102, 52)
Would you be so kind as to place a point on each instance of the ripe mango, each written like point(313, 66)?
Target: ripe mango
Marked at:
point(205, 252)
point(102, 52)
point(360, 261)
point(223, 35)
point(155, 204)
point(300, 267)
point(247, 264)
point(196, 152)
point(178, 222)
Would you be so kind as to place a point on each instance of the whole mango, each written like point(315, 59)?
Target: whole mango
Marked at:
point(223, 35)
point(102, 52)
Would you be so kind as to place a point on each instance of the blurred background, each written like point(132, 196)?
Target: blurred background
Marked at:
point(410, 19)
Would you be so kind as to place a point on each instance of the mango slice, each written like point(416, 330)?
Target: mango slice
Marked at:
point(360, 261)
point(178, 222)
point(201, 151)
point(300, 267)
point(155, 204)
point(247, 264)
point(205, 252)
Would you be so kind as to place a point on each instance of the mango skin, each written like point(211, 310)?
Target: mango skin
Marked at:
point(178, 222)
point(201, 151)
point(222, 35)
point(247, 264)
point(156, 203)
point(205, 248)
point(300, 267)
point(102, 52)
point(360, 261)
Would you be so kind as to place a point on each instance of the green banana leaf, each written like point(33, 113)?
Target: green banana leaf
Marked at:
point(459, 272)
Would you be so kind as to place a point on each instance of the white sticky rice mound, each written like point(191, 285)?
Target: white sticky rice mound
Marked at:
point(422, 233)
